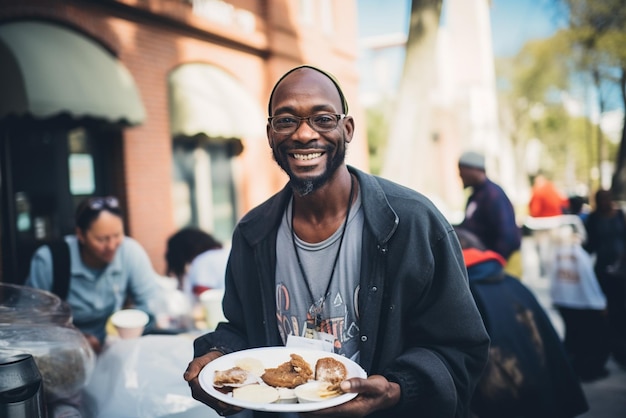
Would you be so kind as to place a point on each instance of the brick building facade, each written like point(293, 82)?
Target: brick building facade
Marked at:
point(145, 149)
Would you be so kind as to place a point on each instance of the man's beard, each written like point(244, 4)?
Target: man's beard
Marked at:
point(307, 185)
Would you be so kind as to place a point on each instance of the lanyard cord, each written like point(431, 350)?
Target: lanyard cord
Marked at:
point(316, 307)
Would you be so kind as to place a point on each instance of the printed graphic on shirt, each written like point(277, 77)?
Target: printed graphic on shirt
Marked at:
point(338, 318)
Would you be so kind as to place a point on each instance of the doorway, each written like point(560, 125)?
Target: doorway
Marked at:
point(47, 168)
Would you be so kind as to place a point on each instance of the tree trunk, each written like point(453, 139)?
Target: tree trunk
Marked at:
point(409, 159)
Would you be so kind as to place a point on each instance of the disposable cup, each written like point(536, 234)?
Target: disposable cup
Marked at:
point(129, 323)
point(212, 302)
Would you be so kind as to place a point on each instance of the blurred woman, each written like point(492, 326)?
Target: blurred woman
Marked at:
point(108, 270)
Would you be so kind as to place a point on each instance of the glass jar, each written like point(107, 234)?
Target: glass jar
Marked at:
point(36, 322)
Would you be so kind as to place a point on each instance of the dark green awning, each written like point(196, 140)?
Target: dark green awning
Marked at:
point(48, 70)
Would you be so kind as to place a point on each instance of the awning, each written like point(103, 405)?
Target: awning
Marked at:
point(206, 100)
point(49, 70)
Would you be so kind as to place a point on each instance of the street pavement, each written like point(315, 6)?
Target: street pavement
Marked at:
point(606, 397)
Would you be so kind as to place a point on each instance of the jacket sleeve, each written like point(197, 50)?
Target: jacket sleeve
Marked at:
point(444, 338)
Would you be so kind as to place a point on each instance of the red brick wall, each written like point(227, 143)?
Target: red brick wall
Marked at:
point(152, 45)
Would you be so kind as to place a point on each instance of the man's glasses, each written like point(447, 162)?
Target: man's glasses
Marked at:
point(321, 122)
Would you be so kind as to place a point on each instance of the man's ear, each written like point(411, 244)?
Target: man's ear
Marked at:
point(268, 132)
point(348, 126)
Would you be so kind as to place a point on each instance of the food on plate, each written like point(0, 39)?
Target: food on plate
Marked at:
point(252, 365)
point(286, 395)
point(256, 393)
point(330, 370)
point(315, 391)
point(290, 374)
point(328, 374)
point(235, 376)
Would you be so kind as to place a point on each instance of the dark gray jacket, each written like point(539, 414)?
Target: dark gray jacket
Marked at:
point(419, 324)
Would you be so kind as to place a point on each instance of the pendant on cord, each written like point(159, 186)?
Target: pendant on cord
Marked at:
point(315, 313)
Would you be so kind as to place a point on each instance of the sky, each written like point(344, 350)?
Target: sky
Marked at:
point(513, 22)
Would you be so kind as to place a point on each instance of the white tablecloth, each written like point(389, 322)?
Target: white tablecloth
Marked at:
point(143, 377)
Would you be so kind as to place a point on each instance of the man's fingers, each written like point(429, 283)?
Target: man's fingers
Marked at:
point(354, 385)
point(196, 365)
point(193, 369)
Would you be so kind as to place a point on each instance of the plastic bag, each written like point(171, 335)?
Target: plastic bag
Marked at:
point(573, 282)
point(143, 377)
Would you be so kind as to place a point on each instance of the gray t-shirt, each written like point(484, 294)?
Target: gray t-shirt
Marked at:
point(339, 315)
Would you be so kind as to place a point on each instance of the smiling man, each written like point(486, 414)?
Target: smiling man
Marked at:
point(369, 269)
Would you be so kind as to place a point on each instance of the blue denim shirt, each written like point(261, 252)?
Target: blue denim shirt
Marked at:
point(95, 295)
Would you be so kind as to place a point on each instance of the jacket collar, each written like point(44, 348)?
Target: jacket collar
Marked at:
point(379, 215)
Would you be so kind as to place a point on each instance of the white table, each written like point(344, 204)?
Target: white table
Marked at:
point(143, 377)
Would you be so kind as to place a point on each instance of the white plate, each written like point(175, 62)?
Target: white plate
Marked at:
point(272, 357)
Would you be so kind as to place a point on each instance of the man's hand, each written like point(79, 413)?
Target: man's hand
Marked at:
point(191, 376)
point(374, 393)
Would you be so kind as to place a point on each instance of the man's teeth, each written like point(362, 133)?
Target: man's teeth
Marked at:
point(304, 157)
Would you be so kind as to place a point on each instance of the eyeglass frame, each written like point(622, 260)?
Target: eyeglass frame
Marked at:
point(339, 116)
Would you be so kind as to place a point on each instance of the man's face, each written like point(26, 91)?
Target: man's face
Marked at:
point(467, 176)
point(103, 237)
point(310, 158)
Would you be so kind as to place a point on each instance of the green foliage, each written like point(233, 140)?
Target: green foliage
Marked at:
point(540, 66)
point(534, 88)
point(377, 133)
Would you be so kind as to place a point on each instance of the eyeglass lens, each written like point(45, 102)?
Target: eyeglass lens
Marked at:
point(324, 122)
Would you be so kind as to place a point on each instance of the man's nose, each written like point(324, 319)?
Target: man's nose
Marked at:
point(304, 132)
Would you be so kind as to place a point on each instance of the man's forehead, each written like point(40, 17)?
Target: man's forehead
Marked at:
point(307, 78)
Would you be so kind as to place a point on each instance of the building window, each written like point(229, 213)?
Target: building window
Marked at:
point(203, 184)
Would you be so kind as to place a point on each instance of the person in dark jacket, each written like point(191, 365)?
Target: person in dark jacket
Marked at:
point(528, 374)
point(606, 239)
point(370, 262)
point(489, 213)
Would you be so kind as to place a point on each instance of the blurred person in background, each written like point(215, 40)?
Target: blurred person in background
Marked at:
point(578, 206)
point(606, 239)
point(546, 204)
point(198, 262)
point(489, 213)
point(108, 270)
point(576, 293)
point(196, 259)
point(528, 373)
point(545, 199)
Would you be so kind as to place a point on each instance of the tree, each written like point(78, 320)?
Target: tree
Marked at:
point(534, 96)
point(408, 159)
point(598, 29)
